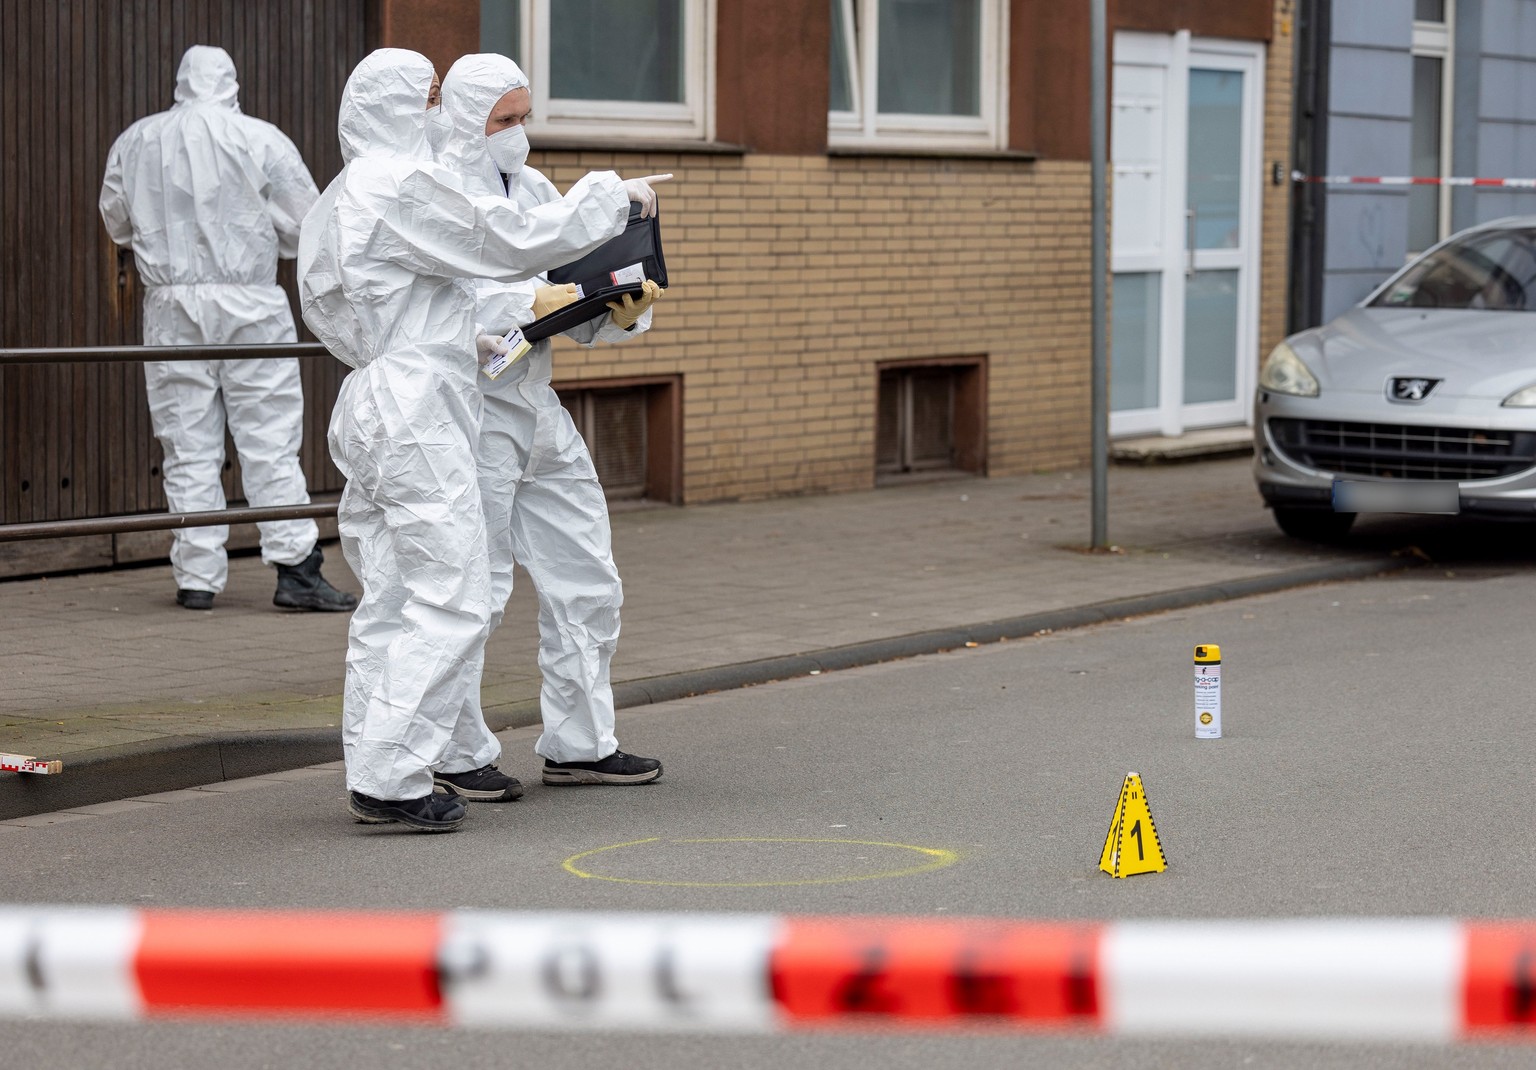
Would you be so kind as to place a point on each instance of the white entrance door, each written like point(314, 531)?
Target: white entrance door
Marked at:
point(1186, 149)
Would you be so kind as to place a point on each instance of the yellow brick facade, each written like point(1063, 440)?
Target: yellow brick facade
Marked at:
point(1279, 102)
point(793, 277)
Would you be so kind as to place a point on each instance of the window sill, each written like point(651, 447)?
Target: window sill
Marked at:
point(934, 152)
point(680, 146)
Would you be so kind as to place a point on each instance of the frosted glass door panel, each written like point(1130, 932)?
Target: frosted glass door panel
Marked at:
point(1139, 151)
point(1216, 158)
point(1135, 341)
point(1210, 337)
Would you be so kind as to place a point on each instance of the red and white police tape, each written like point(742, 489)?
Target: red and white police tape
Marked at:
point(1414, 180)
point(1416, 980)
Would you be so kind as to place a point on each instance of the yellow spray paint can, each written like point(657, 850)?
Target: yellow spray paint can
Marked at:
point(1208, 691)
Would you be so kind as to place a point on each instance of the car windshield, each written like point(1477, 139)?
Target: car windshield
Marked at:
point(1492, 270)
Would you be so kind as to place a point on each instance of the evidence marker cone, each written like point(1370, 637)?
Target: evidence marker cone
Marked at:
point(1132, 845)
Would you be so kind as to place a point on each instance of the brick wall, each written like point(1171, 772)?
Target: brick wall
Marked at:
point(1279, 101)
point(793, 276)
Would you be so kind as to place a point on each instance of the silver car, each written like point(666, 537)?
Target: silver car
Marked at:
point(1421, 399)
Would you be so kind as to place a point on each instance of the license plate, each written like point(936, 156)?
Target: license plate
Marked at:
point(1395, 496)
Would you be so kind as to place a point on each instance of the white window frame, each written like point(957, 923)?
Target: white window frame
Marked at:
point(865, 127)
point(1437, 40)
point(693, 119)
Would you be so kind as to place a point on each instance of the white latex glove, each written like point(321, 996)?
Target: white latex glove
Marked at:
point(487, 346)
point(639, 189)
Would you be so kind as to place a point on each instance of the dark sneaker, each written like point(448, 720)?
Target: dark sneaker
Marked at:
point(187, 598)
point(486, 784)
point(302, 587)
point(430, 813)
point(617, 768)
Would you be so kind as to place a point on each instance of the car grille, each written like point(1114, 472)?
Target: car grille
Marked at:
point(1402, 451)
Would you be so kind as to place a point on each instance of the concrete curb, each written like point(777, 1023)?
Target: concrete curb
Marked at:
point(173, 762)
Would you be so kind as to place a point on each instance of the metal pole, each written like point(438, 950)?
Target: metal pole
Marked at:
point(133, 354)
point(116, 525)
point(1099, 122)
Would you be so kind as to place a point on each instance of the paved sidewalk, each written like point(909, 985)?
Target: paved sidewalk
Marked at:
point(106, 672)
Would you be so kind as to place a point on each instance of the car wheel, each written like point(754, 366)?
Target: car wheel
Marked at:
point(1314, 525)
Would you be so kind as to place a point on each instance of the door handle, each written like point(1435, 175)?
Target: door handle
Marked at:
point(1189, 242)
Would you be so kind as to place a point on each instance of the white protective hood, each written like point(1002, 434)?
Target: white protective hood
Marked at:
point(471, 89)
point(207, 76)
point(383, 106)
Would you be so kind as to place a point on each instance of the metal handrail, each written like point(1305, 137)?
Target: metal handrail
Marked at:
point(134, 354)
point(114, 525)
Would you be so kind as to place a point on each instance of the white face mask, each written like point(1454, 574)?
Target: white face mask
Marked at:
point(438, 125)
point(509, 149)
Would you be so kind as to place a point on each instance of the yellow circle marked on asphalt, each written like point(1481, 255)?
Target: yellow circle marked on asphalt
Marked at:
point(933, 858)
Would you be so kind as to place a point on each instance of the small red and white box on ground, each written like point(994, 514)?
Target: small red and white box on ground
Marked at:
point(25, 763)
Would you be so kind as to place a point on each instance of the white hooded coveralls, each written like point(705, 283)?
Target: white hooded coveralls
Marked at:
point(385, 260)
point(209, 199)
point(544, 506)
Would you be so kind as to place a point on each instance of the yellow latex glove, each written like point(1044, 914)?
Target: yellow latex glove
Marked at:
point(547, 299)
point(631, 310)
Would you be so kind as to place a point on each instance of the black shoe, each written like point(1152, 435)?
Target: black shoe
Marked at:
point(187, 598)
point(486, 784)
point(302, 587)
point(617, 768)
point(430, 813)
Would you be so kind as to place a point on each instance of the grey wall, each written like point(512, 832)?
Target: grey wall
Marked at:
point(1369, 129)
point(1494, 105)
point(1370, 94)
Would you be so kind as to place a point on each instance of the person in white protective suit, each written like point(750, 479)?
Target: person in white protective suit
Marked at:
point(543, 503)
point(209, 199)
point(385, 262)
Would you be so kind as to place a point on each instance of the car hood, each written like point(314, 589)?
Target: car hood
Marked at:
point(1477, 354)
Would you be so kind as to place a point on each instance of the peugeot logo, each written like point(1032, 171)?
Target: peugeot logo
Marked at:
point(1409, 389)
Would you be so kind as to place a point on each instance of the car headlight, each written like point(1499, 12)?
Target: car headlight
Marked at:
point(1522, 399)
point(1284, 373)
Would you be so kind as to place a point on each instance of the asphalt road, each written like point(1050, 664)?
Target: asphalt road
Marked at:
point(1377, 761)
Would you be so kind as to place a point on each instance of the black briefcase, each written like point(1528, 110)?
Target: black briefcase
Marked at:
point(607, 273)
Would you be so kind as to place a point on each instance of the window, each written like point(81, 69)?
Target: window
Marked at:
point(917, 73)
point(931, 418)
point(631, 428)
point(609, 67)
point(1490, 270)
point(1429, 207)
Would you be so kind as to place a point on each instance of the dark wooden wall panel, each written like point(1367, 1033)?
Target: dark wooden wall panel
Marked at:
point(1248, 20)
point(1049, 78)
point(441, 30)
point(75, 440)
point(773, 76)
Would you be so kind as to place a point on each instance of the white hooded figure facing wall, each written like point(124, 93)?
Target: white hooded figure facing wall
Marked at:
point(210, 199)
